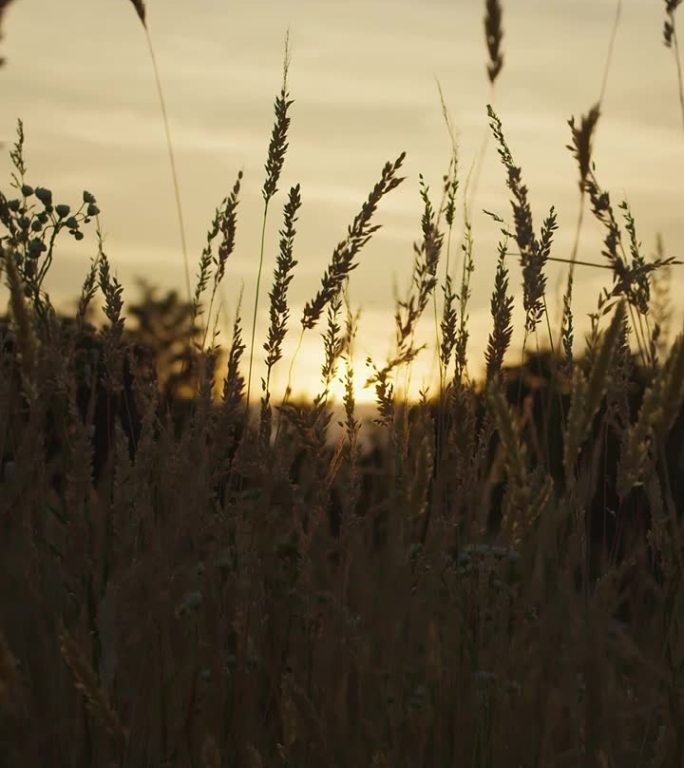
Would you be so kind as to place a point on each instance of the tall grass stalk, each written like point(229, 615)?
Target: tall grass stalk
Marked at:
point(142, 15)
point(672, 41)
point(274, 166)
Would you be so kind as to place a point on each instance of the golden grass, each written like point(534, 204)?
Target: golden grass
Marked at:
point(490, 576)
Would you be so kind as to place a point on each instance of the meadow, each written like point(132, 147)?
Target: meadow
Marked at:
point(198, 571)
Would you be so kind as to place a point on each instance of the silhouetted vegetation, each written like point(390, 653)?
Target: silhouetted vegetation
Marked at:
point(490, 576)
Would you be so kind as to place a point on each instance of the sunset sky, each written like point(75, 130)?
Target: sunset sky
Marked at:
point(363, 76)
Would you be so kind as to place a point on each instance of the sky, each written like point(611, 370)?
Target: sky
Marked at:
point(363, 77)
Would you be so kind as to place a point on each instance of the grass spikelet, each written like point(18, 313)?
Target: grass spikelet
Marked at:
point(86, 682)
point(671, 41)
point(278, 145)
point(274, 166)
point(3, 6)
point(588, 394)
point(333, 346)
point(204, 267)
point(234, 382)
point(630, 277)
point(112, 335)
point(661, 307)
point(515, 455)
point(352, 425)
point(112, 290)
point(661, 404)
point(140, 10)
point(228, 227)
point(448, 327)
point(461, 346)
point(581, 147)
point(533, 253)
point(279, 311)
point(282, 277)
point(225, 223)
point(582, 141)
point(567, 325)
point(424, 278)
point(28, 345)
point(493, 26)
point(88, 291)
point(358, 234)
point(673, 387)
point(502, 309)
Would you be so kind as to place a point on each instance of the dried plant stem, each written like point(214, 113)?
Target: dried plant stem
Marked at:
point(611, 48)
point(274, 165)
point(172, 161)
point(680, 77)
point(288, 388)
point(256, 305)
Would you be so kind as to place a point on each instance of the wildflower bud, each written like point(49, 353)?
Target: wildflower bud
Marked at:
point(88, 198)
point(36, 247)
point(26, 190)
point(44, 195)
point(72, 222)
point(92, 210)
point(62, 210)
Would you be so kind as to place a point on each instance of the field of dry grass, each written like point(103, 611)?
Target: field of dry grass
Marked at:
point(490, 576)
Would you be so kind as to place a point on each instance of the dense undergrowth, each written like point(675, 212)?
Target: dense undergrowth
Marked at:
point(492, 576)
